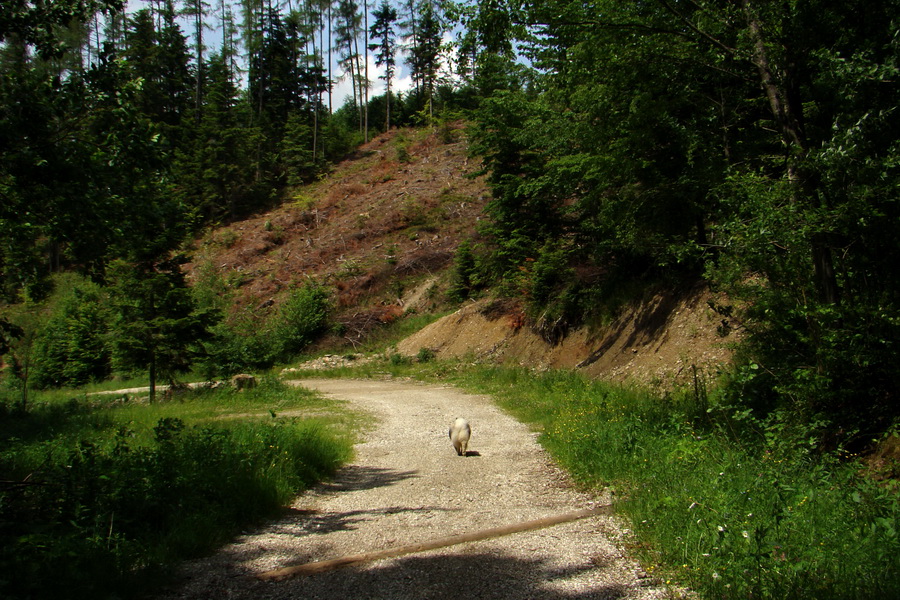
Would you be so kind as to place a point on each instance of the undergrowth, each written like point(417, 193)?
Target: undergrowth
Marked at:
point(97, 499)
point(733, 506)
point(391, 333)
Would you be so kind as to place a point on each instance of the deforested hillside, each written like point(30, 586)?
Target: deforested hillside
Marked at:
point(380, 231)
point(381, 234)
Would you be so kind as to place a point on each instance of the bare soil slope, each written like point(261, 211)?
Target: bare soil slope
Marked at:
point(664, 341)
point(386, 221)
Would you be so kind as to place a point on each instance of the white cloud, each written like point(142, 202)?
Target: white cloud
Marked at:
point(402, 82)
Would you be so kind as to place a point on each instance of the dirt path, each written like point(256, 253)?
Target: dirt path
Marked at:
point(408, 486)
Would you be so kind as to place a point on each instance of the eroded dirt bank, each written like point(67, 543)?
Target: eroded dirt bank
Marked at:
point(407, 485)
point(662, 341)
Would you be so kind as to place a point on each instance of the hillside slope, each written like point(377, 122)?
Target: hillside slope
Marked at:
point(382, 231)
point(666, 340)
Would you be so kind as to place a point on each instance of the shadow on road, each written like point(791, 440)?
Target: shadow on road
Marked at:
point(354, 478)
point(481, 575)
point(446, 577)
point(316, 523)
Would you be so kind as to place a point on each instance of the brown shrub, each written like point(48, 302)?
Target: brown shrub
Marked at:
point(424, 262)
point(346, 190)
point(385, 170)
point(255, 249)
point(360, 324)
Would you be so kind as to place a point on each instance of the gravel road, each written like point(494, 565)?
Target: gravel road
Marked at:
point(408, 486)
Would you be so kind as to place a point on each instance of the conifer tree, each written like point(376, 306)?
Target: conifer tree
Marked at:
point(347, 38)
point(426, 56)
point(197, 11)
point(410, 27)
point(157, 325)
point(386, 48)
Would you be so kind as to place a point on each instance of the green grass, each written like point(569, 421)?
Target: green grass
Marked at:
point(757, 515)
point(399, 330)
point(725, 504)
point(100, 493)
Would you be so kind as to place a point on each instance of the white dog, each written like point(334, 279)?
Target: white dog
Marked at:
point(460, 432)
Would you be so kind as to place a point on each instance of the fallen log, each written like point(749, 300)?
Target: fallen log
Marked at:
point(323, 566)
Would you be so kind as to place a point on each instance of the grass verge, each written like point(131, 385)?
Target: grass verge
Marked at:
point(731, 506)
point(99, 496)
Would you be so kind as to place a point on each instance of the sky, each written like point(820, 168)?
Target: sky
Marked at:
point(402, 82)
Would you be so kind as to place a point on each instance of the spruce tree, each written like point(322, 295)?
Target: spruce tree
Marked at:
point(158, 327)
point(386, 49)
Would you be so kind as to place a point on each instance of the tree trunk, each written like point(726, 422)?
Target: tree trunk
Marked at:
point(25, 375)
point(330, 46)
point(415, 44)
point(387, 117)
point(152, 379)
point(366, 58)
point(787, 112)
point(357, 77)
point(198, 25)
point(353, 78)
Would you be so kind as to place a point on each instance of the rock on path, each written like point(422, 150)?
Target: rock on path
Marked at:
point(406, 486)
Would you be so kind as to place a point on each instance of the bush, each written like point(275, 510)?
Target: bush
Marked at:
point(249, 345)
point(464, 279)
point(236, 348)
point(73, 347)
point(98, 515)
point(822, 356)
point(425, 355)
point(396, 359)
point(302, 317)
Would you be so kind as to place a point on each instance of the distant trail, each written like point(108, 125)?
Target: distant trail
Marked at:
point(411, 519)
point(146, 389)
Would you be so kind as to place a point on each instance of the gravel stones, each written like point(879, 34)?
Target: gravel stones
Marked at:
point(407, 486)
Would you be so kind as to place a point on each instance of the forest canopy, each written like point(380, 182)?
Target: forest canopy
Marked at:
point(753, 145)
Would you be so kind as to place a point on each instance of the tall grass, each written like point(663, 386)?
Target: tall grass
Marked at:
point(731, 506)
point(95, 498)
